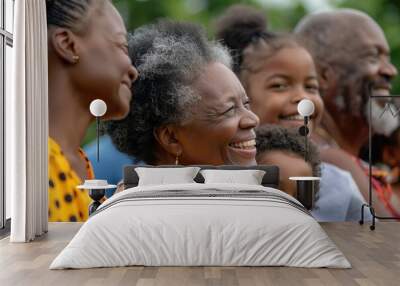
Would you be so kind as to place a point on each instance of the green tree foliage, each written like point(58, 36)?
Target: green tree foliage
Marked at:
point(139, 12)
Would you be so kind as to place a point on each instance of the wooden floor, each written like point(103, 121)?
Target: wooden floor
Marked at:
point(374, 255)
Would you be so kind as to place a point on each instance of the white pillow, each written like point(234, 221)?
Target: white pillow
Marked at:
point(248, 177)
point(164, 176)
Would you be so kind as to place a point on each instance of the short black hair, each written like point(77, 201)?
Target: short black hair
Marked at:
point(69, 14)
point(169, 56)
point(273, 137)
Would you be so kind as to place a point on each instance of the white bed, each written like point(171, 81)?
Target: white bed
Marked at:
point(201, 225)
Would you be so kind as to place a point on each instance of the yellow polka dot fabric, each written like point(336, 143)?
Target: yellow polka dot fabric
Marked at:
point(66, 202)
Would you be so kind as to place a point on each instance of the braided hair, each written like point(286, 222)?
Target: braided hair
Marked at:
point(71, 14)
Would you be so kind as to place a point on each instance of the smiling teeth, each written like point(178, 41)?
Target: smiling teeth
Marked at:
point(293, 117)
point(244, 145)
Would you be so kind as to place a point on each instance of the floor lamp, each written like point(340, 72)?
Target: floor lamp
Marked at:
point(370, 202)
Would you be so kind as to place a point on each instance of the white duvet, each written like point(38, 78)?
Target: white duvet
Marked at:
point(224, 225)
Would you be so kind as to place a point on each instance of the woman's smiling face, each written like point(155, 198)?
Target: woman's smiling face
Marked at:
point(105, 70)
point(221, 128)
point(280, 84)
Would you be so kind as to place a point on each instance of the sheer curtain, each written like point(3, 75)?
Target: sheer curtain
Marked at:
point(27, 123)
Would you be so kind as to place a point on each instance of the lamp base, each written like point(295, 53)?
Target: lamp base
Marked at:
point(96, 195)
point(306, 193)
point(306, 190)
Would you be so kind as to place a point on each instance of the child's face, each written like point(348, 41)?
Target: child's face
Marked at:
point(284, 79)
point(290, 165)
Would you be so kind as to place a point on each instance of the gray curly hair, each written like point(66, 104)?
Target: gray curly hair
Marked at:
point(169, 56)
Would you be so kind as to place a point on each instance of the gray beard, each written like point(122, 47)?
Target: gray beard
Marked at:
point(384, 119)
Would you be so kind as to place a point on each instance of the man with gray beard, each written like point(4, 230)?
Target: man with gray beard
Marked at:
point(352, 58)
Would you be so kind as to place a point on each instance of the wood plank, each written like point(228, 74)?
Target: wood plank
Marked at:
point(374, 255)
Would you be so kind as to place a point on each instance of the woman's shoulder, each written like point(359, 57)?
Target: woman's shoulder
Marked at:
point(57, 159)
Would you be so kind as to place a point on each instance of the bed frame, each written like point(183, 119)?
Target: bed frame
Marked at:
point(270, 179)
point(131, 178)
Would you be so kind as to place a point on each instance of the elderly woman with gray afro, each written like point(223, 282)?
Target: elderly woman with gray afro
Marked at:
point(188, 106)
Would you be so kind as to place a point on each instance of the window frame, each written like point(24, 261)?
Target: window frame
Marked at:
point(6, 39)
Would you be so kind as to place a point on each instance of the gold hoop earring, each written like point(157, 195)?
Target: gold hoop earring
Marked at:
point(177, 159)
point(75, 58)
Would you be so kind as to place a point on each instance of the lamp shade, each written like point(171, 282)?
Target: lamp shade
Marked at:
point(305, 107)
point(98, 107)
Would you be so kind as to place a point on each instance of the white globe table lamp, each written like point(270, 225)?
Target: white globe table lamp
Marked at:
point(305, 185)
point(98, 108)
point(306, 109)
point(96, 187)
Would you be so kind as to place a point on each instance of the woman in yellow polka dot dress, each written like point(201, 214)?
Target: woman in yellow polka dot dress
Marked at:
point(66, 202)
point(88, 59)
